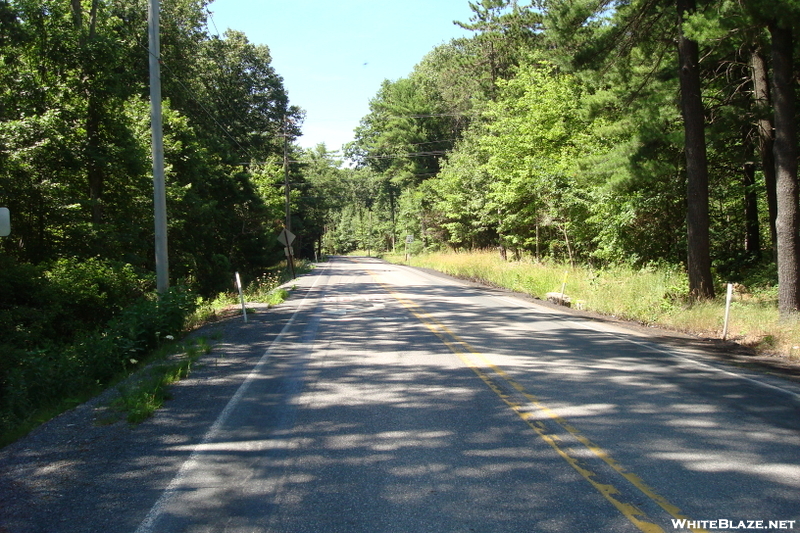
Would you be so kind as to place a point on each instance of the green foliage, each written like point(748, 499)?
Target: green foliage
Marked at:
point(656, 294)
point(144, 393)
point(93, 291)
point(555, 130)
point(75, 139)
point(265, 288)
point(406, 132)
point(567, 139)
point(37, 371)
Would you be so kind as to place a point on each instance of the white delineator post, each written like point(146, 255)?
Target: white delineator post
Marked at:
point(727, 311)
point(241, 295)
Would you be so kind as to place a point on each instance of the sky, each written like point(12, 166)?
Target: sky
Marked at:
point(334, 55)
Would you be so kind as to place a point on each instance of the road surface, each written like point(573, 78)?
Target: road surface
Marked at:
point(381, 398)
point(397, 401)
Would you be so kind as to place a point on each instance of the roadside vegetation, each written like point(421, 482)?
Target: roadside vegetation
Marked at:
point(71, 331)
point(141, 395)
point(653, 296)
point(558, 130)
point(573, 137)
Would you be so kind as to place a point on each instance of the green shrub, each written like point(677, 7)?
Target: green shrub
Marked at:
point(87, 293)
point(25, 314)
point(36, 378)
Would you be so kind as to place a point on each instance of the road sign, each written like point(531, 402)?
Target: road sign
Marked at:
point(409, 238)
point(5, 222)
point(286, 237)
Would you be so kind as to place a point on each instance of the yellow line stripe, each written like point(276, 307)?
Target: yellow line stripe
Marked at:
point(463, 350)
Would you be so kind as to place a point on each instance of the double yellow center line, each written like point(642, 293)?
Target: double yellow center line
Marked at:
point(531, 410)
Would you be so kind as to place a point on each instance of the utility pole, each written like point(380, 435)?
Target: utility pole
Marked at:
point(286, 171)
point(288, 225)
point(159, 193)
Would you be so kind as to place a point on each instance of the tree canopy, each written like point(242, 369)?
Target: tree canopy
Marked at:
point(643, 132)
point(74, 138)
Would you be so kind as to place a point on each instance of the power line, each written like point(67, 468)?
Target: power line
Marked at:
point(415, 154)
point(431, 115)
point(211, 16)
point(196, 99)
point(434, 142)
point(207, 112)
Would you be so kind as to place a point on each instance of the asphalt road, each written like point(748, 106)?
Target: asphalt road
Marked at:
point(386, 399)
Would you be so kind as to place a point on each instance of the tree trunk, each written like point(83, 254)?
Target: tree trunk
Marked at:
point(787, 223)
point(758, 66)
point(701, 284)
point(95, 172)
point(94, 168)
point(752, 235)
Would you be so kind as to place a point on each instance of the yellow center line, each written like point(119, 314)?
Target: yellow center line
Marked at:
point(466, 353)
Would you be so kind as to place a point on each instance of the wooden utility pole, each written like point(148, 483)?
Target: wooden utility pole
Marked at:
point(288, 224)
point(286, 172)
point(159, 193)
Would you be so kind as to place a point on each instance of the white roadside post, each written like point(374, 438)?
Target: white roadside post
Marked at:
point(241, 296)
point(727, 311)
point(564, 286)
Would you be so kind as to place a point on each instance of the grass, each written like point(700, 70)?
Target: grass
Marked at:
point(651, 296)
point(146, 392)
point(142, 393)
point(264, 289)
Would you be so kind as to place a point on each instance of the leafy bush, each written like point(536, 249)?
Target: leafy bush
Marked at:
point(34, 378)
point(88, 293)
point(24, 316)
point(129, 337)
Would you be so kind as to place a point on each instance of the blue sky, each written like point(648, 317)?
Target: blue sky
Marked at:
point(333, 55)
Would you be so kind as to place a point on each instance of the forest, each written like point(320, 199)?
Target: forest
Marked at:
point(647, 133)
point(603, 132)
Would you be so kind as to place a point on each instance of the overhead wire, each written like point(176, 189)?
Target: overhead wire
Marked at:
point(245, 121)
point(194, 97)
point(411, 155)
point(210, 115)
point(197, 100)
point(211, 16)
point(228, 102)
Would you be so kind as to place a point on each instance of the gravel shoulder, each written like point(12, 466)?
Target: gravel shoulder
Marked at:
point(77, 473)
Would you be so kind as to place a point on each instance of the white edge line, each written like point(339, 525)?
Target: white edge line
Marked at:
point(645, 344)
point(655, 348)
point(149, 521)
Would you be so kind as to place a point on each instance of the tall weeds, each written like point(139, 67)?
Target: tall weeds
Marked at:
point(41, 381)
point(655, 296)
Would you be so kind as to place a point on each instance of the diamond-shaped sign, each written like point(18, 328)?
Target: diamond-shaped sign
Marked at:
point(286, 237)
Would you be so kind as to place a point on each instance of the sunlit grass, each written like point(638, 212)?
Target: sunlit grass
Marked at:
point(650, 296)
point(263, 289)
point(147, 392)
point(140, 397)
